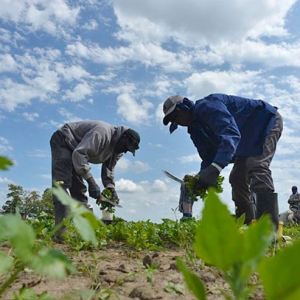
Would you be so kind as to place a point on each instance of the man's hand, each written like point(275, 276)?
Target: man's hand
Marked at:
point(207, 178)
point(98, 200)
point(94, 190)
point(114, 195)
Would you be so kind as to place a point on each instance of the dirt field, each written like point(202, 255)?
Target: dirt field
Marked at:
point(121, 274)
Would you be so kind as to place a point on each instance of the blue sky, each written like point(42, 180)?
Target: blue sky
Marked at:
point(117, 61)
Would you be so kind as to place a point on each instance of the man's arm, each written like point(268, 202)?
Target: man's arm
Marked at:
point(107, 171)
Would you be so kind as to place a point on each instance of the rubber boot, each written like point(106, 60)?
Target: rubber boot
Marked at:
point(246, 208)
point(60, 212)
point(267, 203)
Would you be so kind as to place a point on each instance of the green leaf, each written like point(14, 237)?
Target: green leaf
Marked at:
point(5, 163)
point(218, 241)
point(20, 234)
point(193, 282)
point(6, 262)
point(280, 274)
point(52, 263)
point(28, 293)
point(84, 220)
point(255, 248)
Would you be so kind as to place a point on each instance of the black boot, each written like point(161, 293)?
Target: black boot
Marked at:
point(246, 208)
point(267, 203)
point(60, 212)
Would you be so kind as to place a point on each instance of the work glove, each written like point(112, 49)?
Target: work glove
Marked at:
point(207, 177)
point(114, 196)
point(94, 190)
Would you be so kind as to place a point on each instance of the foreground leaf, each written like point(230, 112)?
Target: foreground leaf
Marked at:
point(5, 163)
point(218, 241)
point(280, 274)
point(6, 262)
point(52, 263)
point(20, 235)
point(193, 282)
point(84, 220)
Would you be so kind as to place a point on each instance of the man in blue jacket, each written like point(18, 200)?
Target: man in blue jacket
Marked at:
point(229, 129)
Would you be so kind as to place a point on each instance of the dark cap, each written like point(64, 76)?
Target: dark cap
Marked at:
point(294, 187)
point(133, 140)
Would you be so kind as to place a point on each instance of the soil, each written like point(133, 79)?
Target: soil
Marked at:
point(116, 273)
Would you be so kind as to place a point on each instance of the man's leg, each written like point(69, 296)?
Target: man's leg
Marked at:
point(261, 181)
point(61, 171)
point(241, 194)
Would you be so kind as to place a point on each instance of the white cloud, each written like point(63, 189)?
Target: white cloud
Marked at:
point(39, 153)
point(5, 146)
point(139, 167)
point(202, 84)
point(30, 116)
point(127, 186)
point(7, 63)
point(35, 15)
point(80, 92)
point(204, 20)
point(133, 111)
point(5, 180)
point(158, 186)
point(124, 165)
point(194, 158)
point(91, 25)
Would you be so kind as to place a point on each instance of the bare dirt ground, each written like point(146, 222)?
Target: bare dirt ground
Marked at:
point(122, 275)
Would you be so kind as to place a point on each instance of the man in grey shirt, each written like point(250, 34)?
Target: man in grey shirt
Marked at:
point(77, 144)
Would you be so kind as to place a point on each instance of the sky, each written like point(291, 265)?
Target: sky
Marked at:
point(117, 61)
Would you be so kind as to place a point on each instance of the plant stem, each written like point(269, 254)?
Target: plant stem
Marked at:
point(11, 279)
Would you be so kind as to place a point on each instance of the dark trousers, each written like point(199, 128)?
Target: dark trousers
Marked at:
point(63, 170)
point(251, 175)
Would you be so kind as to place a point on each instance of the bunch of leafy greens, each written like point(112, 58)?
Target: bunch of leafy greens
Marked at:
point(107, 206)
point(193, 193)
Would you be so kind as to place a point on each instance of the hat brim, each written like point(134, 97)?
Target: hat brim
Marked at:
point(166, 119)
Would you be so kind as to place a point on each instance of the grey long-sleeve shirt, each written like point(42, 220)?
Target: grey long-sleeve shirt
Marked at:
point(93, 142)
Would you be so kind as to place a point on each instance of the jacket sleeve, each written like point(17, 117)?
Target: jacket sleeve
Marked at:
point(88, 147)
point(107, 171)
point(221, 123)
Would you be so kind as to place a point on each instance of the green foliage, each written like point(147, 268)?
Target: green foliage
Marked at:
point(29, 203)
point(15, 199)
point(27, 293)
point(174, 288)
point(279, 274)
point(107, 206)
point(218, 242)
point(84, 220)
point(194, 284)
point(5, 163)
point(190, 182)
point(28, 252)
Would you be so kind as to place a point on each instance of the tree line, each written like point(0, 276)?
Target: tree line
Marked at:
point(30, 204)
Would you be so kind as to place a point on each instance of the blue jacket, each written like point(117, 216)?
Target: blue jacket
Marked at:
point(227, 126)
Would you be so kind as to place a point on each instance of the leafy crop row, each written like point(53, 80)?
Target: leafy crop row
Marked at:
point(238, 252)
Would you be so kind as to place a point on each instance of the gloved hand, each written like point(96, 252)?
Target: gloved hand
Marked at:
point(114, 194)
point(94, 190)
point(207, 177)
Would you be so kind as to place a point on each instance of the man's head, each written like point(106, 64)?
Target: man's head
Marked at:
point(294, 189)
point(169, 107)
point(177, 111)
point(129, 141)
